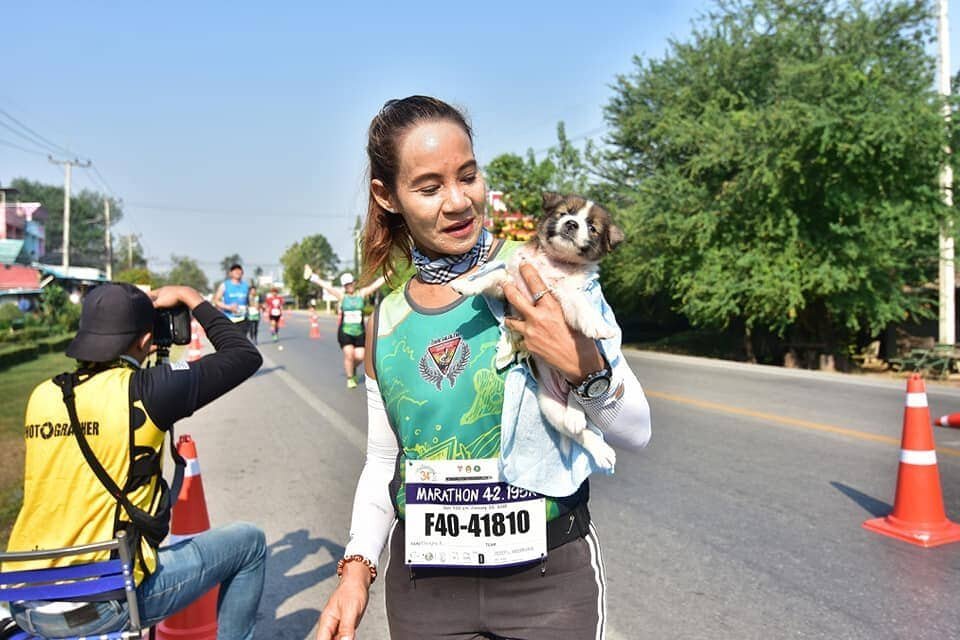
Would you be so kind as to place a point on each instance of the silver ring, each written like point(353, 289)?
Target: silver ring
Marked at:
point(540, 294)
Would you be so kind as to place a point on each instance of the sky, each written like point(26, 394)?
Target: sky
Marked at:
point(240, 127)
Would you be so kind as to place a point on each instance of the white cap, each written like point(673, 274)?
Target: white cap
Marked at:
point(346, 279)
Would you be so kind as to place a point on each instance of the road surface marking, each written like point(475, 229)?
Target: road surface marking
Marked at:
point(353, 435)
point(784, 420)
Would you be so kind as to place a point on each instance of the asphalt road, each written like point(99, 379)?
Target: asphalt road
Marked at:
point(742, 519)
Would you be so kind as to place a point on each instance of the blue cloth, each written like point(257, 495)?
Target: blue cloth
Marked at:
point(533, 454)
point(236, 293)
point(233, 556)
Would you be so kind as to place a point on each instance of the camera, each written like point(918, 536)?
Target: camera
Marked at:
point(171, 326)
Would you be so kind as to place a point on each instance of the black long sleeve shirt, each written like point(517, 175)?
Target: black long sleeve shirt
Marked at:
point(174, 391)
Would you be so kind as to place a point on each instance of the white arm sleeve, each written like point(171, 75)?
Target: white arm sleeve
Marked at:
point(373, 513)
point(622, 414)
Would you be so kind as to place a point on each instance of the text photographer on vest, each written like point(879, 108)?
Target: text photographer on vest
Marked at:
point(104, 425)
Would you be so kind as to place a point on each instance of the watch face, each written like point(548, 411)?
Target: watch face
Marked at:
point(597, 387)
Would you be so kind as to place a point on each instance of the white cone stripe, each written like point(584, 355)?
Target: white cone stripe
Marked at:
point(920, 458)
point(192, 469)
point(917, 400)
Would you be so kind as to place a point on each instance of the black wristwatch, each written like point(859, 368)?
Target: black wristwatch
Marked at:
point(595, 385)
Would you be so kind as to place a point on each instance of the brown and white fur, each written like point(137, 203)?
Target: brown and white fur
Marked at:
point(572, 236)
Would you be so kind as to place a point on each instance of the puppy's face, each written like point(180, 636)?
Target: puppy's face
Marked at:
point(576, 230)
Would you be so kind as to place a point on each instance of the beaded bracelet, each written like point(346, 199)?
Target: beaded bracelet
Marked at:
point(356, 558)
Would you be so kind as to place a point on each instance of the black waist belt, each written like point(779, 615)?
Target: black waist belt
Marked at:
point(570, 526)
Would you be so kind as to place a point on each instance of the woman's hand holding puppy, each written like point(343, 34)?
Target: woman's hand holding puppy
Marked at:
point(545, 331)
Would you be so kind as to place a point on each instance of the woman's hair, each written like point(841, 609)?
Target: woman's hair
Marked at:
point(386, 240)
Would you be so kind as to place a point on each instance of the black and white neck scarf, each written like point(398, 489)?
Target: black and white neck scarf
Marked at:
point(449, 268)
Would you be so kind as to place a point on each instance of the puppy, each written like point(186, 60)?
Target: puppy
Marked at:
point(572, 237)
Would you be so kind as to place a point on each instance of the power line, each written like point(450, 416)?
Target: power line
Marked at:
point(240, 214)
point(575, 138)
point(24, 149)
point(19, 133)
point(97, 181)
point(103, 180)
point(56, 146)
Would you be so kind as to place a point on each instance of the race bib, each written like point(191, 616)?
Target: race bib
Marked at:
point(459, 514)
point(353, 316)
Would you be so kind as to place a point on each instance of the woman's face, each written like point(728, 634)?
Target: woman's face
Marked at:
point(440, 192)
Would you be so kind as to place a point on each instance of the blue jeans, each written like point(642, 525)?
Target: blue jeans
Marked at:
point(233, 556)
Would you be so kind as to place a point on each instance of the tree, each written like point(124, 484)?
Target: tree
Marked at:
point(522, 181)
point(313, 250)
point(187, 272)
point(139, 275)
point(780, 169)
point(229, 261)
point(128, 253)
point(87, 222)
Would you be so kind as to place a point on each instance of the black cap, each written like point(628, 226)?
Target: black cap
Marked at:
point(113, 316)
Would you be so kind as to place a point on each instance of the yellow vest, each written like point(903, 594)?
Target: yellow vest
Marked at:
point(64, 504)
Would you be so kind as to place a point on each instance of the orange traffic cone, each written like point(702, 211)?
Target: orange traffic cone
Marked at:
point(195, 352)
point(951, 421)
point(918, 516)
point(199, 620)
point(314, 326)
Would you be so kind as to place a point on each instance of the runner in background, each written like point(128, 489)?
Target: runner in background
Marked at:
point(273, 305)
point(253, 313)
point(350, 332)
point(232, 297)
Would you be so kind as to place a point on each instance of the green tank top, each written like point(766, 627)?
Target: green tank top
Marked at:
point(351, 322)
point(441, 390)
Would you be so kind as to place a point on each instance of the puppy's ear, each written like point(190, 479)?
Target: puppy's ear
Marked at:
point(551, 200)
point(614, 236)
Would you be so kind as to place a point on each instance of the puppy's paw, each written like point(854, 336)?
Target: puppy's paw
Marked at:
point(603, 454)
point(596, 329)
point(466, 287)
point(574, 420)
point(509, 347)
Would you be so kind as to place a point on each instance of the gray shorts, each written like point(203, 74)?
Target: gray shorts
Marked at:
point(566, 602)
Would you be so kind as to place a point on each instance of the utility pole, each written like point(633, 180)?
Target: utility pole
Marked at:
point(68, 164)
point(108, 239)
point(947, 329)
point(129, 251)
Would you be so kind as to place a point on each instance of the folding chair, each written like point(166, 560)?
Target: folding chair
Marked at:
point(75, 583)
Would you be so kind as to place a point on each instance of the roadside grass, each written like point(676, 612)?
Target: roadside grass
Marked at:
point(16, 383)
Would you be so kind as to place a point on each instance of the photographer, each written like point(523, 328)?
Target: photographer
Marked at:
point(105, 423)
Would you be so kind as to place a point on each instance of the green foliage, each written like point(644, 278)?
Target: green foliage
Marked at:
point(53, 301)
point(523, 180)
point(139, 275)
point(128, 253)
point(313, 250)
point(87, 223)
point(781, 168)
point(69, 317)
point(9, 314)
point(187, 272)
point(17, 353)
point(229, 261)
